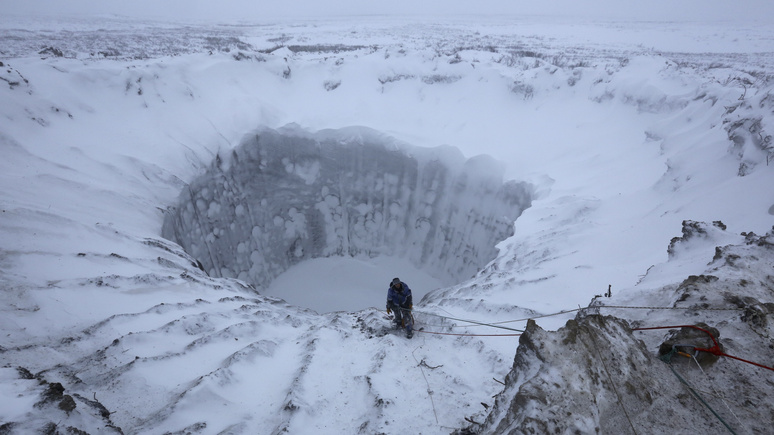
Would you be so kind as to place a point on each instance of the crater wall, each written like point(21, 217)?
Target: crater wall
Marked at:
point(285, 196)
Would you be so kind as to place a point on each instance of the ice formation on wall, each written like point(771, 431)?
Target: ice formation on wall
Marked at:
point(284, 196)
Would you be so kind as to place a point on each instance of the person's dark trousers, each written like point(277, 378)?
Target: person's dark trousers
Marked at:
point(402, 317)
point(398, 312)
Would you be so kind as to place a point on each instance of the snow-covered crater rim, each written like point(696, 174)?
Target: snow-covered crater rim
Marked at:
point(285, 196)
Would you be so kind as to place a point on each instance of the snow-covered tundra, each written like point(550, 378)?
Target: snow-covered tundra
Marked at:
point(511, 171)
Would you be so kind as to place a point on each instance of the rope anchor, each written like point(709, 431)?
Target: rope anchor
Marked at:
point(714, 350)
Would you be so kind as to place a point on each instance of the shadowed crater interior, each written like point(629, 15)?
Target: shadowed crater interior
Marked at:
point(285, 196)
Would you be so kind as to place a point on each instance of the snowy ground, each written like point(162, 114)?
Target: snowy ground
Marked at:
point(347, 284)
point(625, 130)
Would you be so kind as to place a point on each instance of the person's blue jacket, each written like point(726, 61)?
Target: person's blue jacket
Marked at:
point(402, 298)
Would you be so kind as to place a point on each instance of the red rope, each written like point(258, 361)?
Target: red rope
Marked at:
point(715, 349)
point(744, 360)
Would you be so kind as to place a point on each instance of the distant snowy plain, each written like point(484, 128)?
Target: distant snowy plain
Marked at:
point(624, 130)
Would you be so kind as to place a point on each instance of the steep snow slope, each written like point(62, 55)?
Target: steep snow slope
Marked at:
point(106, 324)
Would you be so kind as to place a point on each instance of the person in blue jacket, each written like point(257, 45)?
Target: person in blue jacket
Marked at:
point(400, 301)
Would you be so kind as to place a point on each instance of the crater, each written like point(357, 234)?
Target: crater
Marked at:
point(283, 197)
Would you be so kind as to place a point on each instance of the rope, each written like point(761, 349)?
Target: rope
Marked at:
point(471, 321)
point(468, 335)
point(715, 392)
point(665, 308)
point(429, 391)
point(539, 317)
point(618, 307)
point(409, 312)
point(558, 313)
point(668, 359)
point(610, 378)
point(715, 349)
point(738, 359)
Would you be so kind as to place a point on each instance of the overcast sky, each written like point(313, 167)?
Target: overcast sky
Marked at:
point(252, 10)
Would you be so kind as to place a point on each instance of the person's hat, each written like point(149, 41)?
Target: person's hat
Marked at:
point(395, 282)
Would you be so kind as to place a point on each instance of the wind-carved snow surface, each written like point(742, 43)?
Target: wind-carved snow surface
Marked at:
point(286, 196)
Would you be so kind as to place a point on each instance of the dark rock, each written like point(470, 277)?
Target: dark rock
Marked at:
point(24, 373)
point(693, 284)
point(110, 52)
point(755, 312)
point(241, 56)
point(765, 241)
point(54, 393)
point(7, 428)
point(99, 407)
point(194, 428)
point(52, 51)
point(691, 229)
point(67, 403)
point(688, 339)
point(48, 429)
point(591, 376)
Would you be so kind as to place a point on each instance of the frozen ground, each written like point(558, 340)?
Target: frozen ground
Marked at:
point(625, 130)
point(347, 284)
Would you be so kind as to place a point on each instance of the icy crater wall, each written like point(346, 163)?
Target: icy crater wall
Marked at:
point(285, 196)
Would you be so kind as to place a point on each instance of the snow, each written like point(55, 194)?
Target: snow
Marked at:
point(348, 284)
point(622, 128)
